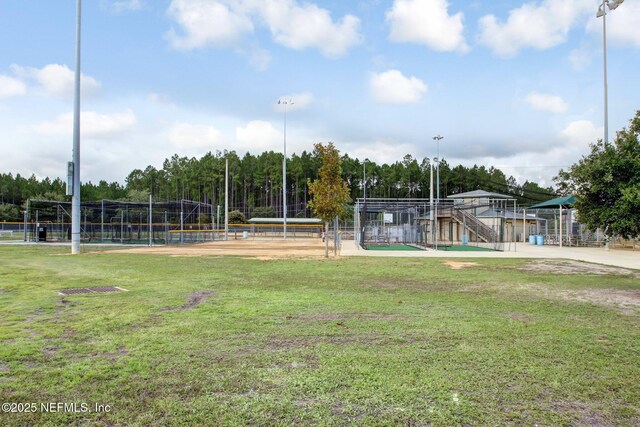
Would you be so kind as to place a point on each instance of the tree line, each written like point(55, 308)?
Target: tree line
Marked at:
point(255, 182)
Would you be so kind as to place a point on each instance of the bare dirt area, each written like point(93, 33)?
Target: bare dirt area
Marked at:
point(627, 301)
point(260, 249)
point(575, 267)
point(196, 298)
point(459, 265)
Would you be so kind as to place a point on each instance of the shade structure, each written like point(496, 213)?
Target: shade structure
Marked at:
point(564, 201)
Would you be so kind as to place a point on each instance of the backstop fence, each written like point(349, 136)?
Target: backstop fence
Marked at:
point(152, 223)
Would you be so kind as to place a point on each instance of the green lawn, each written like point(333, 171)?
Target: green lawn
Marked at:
point(354, 341)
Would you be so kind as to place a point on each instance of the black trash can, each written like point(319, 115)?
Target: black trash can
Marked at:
point(42, 234)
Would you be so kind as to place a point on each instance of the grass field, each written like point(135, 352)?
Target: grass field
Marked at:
point(351, 341)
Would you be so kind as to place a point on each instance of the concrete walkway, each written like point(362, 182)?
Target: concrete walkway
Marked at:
point(618, 258)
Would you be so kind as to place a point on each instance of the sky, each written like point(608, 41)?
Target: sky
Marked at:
point(513, 84)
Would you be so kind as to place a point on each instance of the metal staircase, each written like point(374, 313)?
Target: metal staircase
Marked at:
point(473, 224)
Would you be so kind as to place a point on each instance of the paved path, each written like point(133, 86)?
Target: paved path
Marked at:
point(618, 258)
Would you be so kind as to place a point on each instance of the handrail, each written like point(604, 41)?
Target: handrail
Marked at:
point(472, 223)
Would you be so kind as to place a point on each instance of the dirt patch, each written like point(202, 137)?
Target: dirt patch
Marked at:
point(49, 352)
point(575, 267)
point(459, 265)
point(340, 317)
point(627, 301)
point(520, 316)
point(196, 298)
point(258, 248)
point(122, 351)
point(62, 306)
point(301, 342)
point(581, 414)
point(307, 362)
point(4, 368)
point(395, 283)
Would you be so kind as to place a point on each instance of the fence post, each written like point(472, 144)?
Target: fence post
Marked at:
point(102, 223)
point(150, 221)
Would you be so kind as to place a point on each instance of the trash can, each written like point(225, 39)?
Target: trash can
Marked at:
point(540, 240)
point(532, 239)
point(42, 234)
point(245, 234)
point(465, 239)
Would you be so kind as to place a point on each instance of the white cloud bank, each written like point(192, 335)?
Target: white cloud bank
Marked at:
point(92, 124)
point(189, 136)
point(546, 102)
point(56, 80)
point(224, 23)
point(537, 25)
point(258, 136)
point(207, 23)
point(427, 22)
point(10, 86)
point(392, 87)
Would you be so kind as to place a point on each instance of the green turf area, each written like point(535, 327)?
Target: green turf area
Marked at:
point(392, 248)
point(354, 341)
point(464, 248)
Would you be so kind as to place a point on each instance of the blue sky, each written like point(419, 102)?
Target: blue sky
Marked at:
point(513, 84)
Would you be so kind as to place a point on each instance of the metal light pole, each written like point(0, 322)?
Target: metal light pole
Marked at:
point(602, 12)
point(284, 167)
point(437, 138)
point(364, 180)
point(431, 231)
point(75, 200)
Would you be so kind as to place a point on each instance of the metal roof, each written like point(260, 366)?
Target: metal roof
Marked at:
point(479, 194)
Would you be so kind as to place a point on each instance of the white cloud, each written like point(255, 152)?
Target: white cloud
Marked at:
point(427, 22)
point(380, 151)
point(392, 87)
point(532, 25)
point(57, 80)
point(258, 136)
point(10, 86)
point(623, 25)
point(546, 102)
point(120, 6)
point(223, 23)
point(208, 23)
point(308, 26)
point(193, 136)
point(92, 124)
point(295, 102)
point(581, 133)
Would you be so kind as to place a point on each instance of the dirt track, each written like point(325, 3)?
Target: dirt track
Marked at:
point(262, 249)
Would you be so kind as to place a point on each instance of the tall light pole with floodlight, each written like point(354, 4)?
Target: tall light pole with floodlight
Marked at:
point(75, 187)
point(284, 168)
point(602, 13)
point(437, 139)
